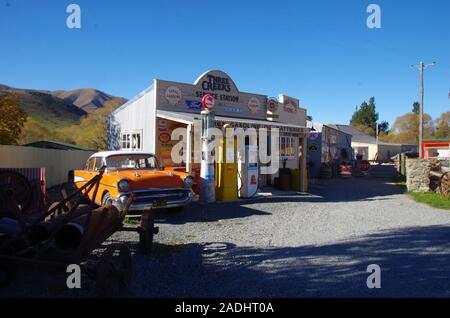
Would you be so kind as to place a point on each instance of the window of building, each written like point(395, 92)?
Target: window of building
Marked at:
point(288, 144)
point(132, 140)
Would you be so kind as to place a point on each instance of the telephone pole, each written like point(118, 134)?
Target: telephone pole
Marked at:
point(422, 66)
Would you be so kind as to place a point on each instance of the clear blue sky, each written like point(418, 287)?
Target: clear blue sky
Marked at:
point(319, 51)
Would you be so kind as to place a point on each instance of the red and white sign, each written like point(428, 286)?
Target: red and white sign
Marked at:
point(313, 135)
point(208, 101)
point(363, 166)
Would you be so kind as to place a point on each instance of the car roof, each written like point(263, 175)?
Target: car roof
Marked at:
point(105, 154)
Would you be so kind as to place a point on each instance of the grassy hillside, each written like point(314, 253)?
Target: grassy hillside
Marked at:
point(59, 115)
point(46, 109)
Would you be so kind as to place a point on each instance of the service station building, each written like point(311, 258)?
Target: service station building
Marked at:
point(146, 122)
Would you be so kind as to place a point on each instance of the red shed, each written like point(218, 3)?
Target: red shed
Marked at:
point(436, 148)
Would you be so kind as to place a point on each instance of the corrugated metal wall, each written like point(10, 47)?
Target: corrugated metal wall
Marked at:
point(57, 163)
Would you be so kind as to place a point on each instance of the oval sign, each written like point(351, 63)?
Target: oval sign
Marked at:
point(254, 105)
point(272, 105)
point(208, 101)
point(173, 95)
point(164, 137)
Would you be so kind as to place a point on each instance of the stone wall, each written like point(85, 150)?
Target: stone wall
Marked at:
point(417, 175)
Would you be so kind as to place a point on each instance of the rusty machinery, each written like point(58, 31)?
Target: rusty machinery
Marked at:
point(66, 234)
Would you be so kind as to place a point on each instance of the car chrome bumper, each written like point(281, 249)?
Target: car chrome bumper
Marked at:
point(146, 199)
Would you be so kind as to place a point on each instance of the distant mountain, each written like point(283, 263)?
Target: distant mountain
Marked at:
point(88, 99)
point(45, 108)
point(55, 109)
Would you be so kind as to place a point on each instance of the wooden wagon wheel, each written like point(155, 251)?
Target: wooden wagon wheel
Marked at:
point(444, 185)
point(114, 271)
point(15, 185)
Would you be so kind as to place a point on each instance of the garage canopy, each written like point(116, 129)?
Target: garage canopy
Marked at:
point(188, 118)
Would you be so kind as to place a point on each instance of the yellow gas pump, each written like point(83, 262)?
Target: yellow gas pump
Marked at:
point(226, 186)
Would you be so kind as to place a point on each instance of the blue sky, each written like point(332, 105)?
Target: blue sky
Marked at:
point(318, 51)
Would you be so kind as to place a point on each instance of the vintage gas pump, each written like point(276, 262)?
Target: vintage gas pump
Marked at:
point(226, 184)
point(248, 171)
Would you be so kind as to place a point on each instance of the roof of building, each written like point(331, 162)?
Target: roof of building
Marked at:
point(318, 127)
point(56, 145)
point(437, 140)
point(362, 137)
point(188, 118)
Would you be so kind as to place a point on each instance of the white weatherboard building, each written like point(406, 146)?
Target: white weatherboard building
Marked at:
point(146, 122)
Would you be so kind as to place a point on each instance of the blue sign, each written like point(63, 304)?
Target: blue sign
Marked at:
point(193, 104)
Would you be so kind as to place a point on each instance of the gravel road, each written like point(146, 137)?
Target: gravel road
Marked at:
point(298, 245)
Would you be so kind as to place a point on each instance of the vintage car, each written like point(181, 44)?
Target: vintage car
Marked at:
point(139, 173)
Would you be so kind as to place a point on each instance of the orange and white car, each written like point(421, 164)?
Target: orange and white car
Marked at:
point(139, 173)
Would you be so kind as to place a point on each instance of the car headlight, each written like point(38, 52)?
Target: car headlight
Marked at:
point(123, 185)
point(188, 181)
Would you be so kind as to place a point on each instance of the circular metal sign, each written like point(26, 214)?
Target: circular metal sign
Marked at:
point(208, 101)
point(364, 166)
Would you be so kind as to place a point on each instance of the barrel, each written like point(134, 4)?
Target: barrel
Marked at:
point(325, 172)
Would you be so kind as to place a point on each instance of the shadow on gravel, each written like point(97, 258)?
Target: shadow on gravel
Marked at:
point(344, 190)
point(335, 190)
point(414, 263)
point(213, 212)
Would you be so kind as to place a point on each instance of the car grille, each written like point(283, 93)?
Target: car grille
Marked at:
point(168, 195)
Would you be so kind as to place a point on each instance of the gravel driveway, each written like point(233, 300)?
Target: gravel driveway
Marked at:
point(299, 245)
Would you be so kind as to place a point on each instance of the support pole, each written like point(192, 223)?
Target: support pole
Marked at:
point(207, 193)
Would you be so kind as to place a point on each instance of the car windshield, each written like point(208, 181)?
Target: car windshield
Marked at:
point(142, 161)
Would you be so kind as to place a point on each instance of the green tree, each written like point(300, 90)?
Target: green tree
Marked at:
point(12, 119)
point(365, 117)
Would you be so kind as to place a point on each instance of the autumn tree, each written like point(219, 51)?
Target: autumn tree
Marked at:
point(365, 117)
point(92, 130)
point(443, 126)
point(12, 119)
point(34, 131)
point(406, 129)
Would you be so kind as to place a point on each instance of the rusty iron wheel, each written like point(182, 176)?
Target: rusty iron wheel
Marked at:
point(114, 271)
point(444, 185)
point(15, 185)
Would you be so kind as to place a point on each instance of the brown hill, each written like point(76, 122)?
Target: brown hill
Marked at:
point(88, 99)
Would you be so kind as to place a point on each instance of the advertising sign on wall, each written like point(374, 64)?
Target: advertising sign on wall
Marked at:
point(229, 101)
point(165, 144)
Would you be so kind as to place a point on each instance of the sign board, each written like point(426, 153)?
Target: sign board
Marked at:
point(313, 135)
point(229, 101)
point(364, 166)
point(313, 147)
point(286, 110)
point(208, 101)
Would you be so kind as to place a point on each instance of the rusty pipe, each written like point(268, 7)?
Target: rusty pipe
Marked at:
point(70, 236)
point(43, 230)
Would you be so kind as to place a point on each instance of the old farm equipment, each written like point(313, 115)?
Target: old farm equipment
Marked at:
point(440, 178)
point(444, 184)
point(67, 233)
